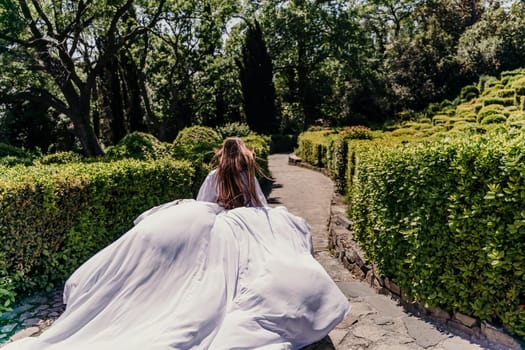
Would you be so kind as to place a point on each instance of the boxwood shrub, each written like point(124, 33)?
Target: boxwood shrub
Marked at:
point(489, 110)
point(197, 143)
point(138, 145)
point(494, 119)
point(312, 146)
point(54, 217)
point(446, 221)
point(508, 101)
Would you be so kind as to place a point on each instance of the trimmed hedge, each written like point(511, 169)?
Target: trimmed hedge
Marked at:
point(54, 217)
point(233, 129)
point(197, 143)
point(138, 145)
point(446, 222)
point(61, 158)
point(312, 146)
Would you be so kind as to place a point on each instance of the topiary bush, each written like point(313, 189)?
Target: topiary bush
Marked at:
point(233, 129)
point(196, 143)
point(312, 146)
point(138, 145)
point(358, 132)
point(498, 101)
point(61, 158)
point(488, 111)
point(485, 81)
point(446, 222)
point(518, 86)
point(441, 119)
point(494, 119)
point(469, 92)
point(505, 93)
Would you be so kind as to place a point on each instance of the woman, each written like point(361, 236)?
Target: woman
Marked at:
point(221, 272)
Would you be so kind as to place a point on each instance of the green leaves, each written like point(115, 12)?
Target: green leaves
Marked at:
point(54, 217)
point(446, 221)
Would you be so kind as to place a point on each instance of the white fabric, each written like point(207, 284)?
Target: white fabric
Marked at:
point(208, 190)
point(191, 275)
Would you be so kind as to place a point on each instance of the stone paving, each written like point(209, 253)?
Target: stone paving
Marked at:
point(375, 321)
point(32, 315)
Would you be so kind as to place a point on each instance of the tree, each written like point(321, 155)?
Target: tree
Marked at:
point(256, 77)
point(58, 39)
point(495, 43)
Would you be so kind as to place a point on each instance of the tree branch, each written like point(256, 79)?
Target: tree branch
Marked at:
point(27, 14)
point(43, 16)
point(16, 40)
point(40, 96)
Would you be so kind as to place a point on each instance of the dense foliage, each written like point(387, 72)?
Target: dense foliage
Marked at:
point(83, 74)
point(437, 203)
point(54, 217)
point(60, 208)
point(446, 221)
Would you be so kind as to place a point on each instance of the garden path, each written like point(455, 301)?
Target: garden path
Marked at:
point(375, 321)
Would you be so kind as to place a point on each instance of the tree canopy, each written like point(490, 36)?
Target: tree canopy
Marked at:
point(84, 73)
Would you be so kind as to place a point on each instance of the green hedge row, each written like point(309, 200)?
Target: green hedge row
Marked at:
point(312, 146)
point(446, 221)
point(329, 148)
point(54, 217)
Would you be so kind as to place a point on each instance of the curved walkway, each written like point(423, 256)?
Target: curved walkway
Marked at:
point(375, 321)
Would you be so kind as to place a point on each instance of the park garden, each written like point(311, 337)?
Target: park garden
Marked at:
point(415, 108)
point(438, 203)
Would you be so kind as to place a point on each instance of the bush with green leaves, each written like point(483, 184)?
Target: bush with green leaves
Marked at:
point(469, 92)
point(196, 143)
point(54, 217)
point(233, 129)
point(138, 145)
point(505, 93)
point(10, 161)
point(8, 150)
point(494, 119)
point(498, 101)
point(312, 146)
point(519, 86)
point(61, 158)
point(489, 110)
point(486, 81)
point(11, 155)
point(446, 222)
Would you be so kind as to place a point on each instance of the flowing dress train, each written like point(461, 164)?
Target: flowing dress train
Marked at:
point(191, 275)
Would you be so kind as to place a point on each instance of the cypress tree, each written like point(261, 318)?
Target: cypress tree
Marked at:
point(256, 76)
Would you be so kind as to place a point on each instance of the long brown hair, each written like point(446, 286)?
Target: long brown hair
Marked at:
point(234, 162)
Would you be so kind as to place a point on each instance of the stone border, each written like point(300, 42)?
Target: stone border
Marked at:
point(347, 250)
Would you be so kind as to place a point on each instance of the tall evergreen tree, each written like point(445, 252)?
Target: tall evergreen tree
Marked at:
point(256, 76)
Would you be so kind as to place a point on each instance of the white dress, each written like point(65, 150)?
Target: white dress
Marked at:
point(191, 275)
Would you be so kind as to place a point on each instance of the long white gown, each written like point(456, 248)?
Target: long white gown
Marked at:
point(191, 275)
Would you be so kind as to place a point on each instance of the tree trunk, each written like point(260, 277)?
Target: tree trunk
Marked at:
point(134, 109)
